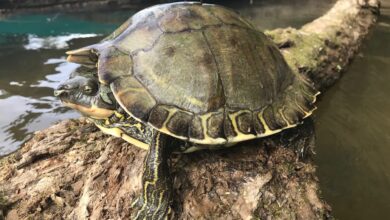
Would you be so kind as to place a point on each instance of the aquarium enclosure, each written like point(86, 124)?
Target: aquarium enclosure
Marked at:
point(352, 122)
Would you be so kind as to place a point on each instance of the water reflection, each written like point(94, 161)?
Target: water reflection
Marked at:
point(32, 61)
point(62, 68)
point(27, 80)
point(28, 113)
point(53, 42)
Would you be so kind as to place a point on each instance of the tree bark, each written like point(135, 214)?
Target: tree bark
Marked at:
point(73, 171)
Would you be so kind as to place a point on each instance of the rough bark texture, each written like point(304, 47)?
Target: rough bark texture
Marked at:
point(74, 171)
point(323, 49)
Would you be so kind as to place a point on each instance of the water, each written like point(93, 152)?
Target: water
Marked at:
point(353, 135)
point(32, 63)
point(352, 121)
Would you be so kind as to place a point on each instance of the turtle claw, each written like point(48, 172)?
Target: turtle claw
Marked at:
point(149, 211)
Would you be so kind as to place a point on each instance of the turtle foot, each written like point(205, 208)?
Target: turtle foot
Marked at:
point(150, 210)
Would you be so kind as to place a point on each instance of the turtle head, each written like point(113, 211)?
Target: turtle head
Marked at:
point(83, 92)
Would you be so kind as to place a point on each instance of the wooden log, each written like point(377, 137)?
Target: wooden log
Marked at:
point(73, 171)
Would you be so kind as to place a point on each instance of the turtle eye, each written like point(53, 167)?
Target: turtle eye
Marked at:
point(88, 89)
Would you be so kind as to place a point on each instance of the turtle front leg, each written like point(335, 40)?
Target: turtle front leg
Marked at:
point(156, 197)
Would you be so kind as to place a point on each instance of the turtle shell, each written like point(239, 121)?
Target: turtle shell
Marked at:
point(201, 73)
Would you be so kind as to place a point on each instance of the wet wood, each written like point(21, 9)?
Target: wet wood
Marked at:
point(73, 171)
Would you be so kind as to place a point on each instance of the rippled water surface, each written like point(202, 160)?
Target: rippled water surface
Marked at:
point(352, 122)
point(32, 63)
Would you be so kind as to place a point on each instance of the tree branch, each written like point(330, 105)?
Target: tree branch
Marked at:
point(324, 48)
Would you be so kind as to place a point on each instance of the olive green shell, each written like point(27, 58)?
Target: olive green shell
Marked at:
point(202, 73)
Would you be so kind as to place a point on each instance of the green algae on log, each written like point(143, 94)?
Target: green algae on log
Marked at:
point(323, 49)
point(72, 170)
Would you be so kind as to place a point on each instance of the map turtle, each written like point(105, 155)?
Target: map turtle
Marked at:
point(182, 77)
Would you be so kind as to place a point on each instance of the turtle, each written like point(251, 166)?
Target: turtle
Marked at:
point(181, 77)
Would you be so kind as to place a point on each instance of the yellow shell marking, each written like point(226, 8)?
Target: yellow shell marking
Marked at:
point(240, 136)
point(195, 101)
point(305, 112)
point(207, 139)
point(267, 131)
point(164, 129)
point(284, 117)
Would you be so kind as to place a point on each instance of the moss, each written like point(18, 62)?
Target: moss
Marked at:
point(8, 159)
point(4, 205)
point(303, 49)
point(3, 201)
